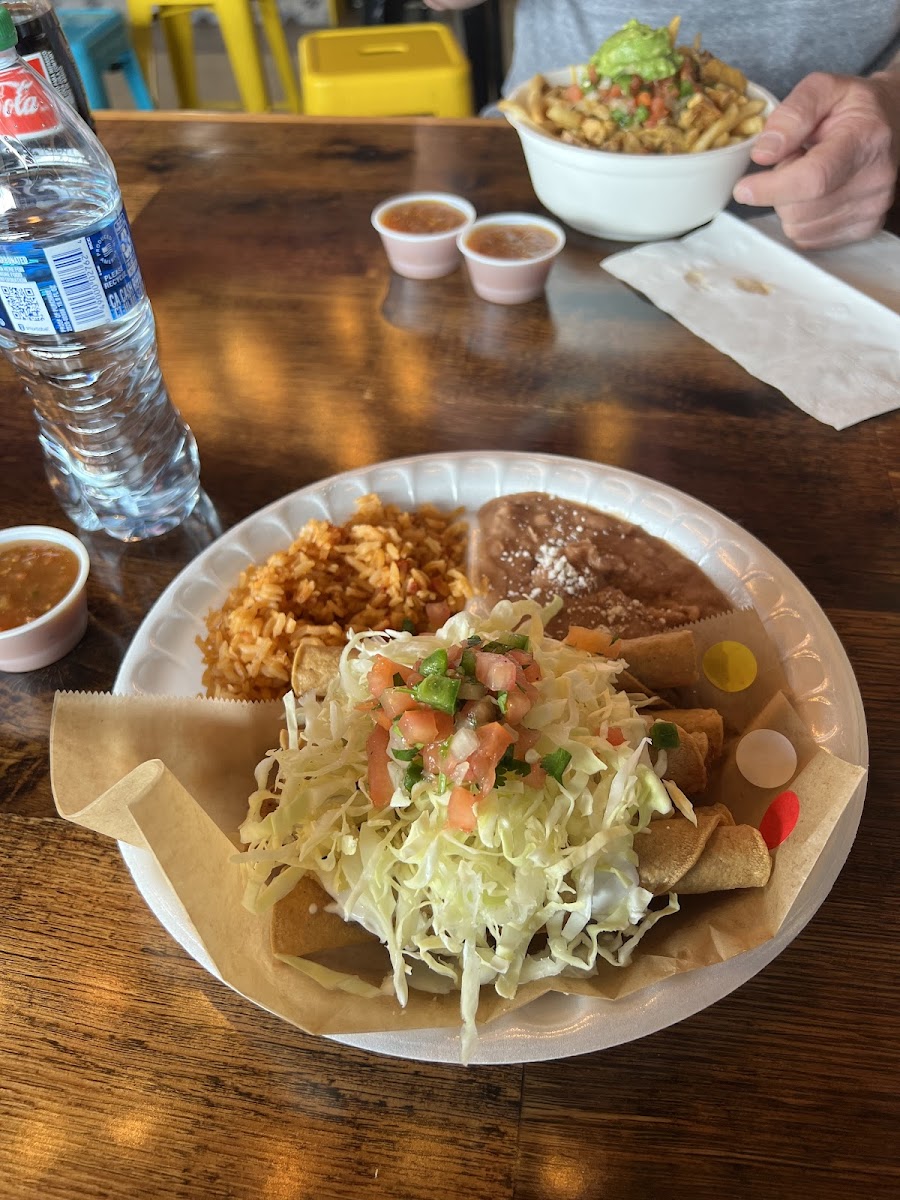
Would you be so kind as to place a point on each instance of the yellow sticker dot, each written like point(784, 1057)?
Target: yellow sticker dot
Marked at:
point(730, 666)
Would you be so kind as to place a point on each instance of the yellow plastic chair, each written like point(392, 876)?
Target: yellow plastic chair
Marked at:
point(385, 71)
point(238, 28)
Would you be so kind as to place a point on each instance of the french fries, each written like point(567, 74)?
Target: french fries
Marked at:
point(718, 113)
point(721, 127)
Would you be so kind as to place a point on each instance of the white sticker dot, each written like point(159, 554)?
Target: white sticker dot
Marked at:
point(766, 758)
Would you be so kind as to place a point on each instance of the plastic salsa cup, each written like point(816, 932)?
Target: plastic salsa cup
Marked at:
point(415, 244)
point(48, 636)
point(509, 255)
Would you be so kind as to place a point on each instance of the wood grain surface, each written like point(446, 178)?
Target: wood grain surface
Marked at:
point(126, 1070)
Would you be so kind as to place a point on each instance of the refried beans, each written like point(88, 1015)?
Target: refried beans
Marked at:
point(608, 571)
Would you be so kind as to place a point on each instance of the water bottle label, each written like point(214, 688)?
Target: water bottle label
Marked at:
point(70, 286)
point(26, 110)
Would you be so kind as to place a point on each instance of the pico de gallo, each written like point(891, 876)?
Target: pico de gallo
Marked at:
point(457, 717)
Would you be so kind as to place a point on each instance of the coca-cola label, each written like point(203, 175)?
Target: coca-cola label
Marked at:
point(36, 62)
point(44, 62)
point(25, 108)
point(69, 286)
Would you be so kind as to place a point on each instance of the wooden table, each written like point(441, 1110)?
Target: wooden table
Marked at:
point(126, 1070)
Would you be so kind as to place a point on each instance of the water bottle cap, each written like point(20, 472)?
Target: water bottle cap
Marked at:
point(8, 35)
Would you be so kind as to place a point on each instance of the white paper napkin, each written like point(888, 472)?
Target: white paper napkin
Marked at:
point(823, 327)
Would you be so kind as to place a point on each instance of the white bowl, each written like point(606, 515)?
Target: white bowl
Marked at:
point(631, 197)
point(49, 637)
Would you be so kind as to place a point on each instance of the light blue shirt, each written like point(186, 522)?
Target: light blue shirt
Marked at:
point(774, 42)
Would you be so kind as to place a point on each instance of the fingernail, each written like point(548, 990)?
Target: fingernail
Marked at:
point(743, 193)
point(770, 143)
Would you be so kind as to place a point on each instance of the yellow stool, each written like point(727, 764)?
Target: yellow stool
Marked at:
point(385, 71)
point(236, 22)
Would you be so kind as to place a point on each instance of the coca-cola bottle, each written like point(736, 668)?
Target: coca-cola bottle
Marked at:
point(43, 45)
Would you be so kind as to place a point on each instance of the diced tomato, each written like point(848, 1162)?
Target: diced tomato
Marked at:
point(483, 777)
point(423, 725)
point(658, 110)
point(614, 92)
point(595, 641)
point(517, 705)
point(461, 810)
point(492, 742)
point(366, 705)
point(615, 736)
point(593, 76)
point(445, 726)
point(526, 739)
point(574, 93)
point(496, 671)
point(536, 777)
point(644, 98)
point(382, 675)
point(435, 761)
point(380, 786)
point(530, 669)
point(524, 686)
point(454, 654)
point(394, 701)
point(437, 612)
point(419, 726)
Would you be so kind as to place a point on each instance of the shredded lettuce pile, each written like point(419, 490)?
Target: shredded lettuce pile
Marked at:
point(547, 883)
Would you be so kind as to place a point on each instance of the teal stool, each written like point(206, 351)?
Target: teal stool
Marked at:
point(100, 42)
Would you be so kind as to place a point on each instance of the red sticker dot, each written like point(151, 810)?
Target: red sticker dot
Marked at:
point(780, 819)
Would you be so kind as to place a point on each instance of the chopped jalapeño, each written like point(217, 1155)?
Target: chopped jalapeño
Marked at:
point(438, 691)
point(664, 735)
point(436, 663)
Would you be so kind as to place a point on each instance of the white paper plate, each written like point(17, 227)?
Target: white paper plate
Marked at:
point(164, 660)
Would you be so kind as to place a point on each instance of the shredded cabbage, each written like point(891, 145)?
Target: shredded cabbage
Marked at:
point(547, 884)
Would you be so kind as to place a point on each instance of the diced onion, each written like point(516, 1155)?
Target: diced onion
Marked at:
point(464, 742)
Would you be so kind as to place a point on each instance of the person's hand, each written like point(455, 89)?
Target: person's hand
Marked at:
point(834, 147)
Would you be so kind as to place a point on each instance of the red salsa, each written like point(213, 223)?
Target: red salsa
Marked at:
point(511, 241)
point(34, 577)
point(422, 216)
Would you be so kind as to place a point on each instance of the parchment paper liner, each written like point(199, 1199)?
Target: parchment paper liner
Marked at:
point(171, 776)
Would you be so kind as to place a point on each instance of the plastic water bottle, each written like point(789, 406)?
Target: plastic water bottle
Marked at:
point(75, 320)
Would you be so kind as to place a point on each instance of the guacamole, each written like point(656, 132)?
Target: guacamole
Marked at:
point(637, 50)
